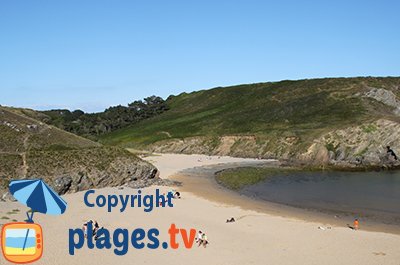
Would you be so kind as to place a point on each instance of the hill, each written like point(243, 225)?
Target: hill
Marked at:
point(340, 121)
point(31, 149)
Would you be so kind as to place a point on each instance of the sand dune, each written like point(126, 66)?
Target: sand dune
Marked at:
point(256, 238)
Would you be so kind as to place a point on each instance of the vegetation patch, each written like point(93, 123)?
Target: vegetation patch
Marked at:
point(369, 128)
point(238, 178)
point(331, 147)
point(9, 165)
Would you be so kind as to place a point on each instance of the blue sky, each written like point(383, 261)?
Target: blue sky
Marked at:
point(93, 54)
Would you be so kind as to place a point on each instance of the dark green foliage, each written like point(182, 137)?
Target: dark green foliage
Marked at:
point(93, 124)
point(237, 178)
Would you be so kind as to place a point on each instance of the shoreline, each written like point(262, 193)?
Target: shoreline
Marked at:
point(228, 198)
point(201, 184)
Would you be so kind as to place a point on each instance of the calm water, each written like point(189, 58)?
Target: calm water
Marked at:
point(374, 195)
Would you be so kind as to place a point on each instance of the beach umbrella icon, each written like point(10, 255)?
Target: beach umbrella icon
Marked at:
point(38, 196)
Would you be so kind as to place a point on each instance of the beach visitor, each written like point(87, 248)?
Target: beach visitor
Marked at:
point(356, 224)
point(84, 228)
point(204, 240)
point(90, 222)
point(230, 220)
point(199, 238)
point(95, 228)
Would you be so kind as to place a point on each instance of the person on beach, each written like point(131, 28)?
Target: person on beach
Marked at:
point(84, 228)
point(230, 220)
point(391, 153)
point(356, 224)
point(96, 227)
point(199, 238)
point(204, 240)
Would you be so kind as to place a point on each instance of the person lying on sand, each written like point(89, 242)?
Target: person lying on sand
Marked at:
point(230, 220)
point(324, 228)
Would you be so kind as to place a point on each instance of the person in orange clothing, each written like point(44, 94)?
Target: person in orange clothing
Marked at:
point(356, 224)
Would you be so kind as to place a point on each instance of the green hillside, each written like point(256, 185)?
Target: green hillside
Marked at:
point(280, 118)
point(31, 149)
point(288, 107)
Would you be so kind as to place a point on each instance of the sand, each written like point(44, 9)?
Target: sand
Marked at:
point(257, 238)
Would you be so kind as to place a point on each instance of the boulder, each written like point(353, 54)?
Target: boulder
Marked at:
point(84, 183)
point(62, 184)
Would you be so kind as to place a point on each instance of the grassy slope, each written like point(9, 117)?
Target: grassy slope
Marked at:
point(49, 152)
point(304, 108)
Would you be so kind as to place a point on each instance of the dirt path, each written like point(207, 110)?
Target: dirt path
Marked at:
point(25, 167)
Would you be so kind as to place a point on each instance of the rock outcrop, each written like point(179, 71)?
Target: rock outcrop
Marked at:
point(362, 145)
point(355, 146)
point(385, 96)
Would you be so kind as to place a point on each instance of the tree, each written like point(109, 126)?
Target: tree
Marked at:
point(111, 119)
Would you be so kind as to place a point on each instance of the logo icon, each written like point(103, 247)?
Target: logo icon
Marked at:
point(23, 242)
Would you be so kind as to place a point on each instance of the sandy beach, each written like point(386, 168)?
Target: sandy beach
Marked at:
point(256, 238)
